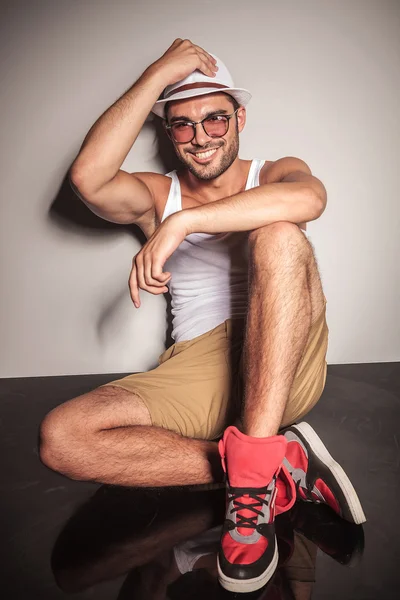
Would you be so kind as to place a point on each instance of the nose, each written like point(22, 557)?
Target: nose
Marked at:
point(200, 136)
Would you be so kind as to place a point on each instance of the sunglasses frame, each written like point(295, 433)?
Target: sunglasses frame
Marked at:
point(193, 125)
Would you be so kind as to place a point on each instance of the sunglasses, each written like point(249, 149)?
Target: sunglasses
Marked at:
point(183, 132)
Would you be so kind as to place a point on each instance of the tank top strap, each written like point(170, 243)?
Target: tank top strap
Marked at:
point(174, 200)
point(253, 179)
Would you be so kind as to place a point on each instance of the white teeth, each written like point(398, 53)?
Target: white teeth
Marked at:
point(205, 154)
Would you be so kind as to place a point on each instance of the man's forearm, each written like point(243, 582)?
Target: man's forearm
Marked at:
point(295, 202)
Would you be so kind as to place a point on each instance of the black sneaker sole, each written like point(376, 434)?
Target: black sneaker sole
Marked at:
point(249, 585)
point(314, 443)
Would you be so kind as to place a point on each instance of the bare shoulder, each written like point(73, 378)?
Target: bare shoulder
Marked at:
point(156, 182)
point(274, 171)
point(159, 186)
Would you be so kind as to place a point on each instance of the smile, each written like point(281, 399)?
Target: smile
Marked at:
point(204, 156)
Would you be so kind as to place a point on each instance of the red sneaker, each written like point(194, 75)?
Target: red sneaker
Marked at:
point(317, 476)
point(258, 487)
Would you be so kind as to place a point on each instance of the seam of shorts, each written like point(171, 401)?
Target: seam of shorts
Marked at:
point(134, 393)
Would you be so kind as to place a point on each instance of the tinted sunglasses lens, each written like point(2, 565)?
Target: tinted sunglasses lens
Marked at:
point(182, 132)
point(216, 126)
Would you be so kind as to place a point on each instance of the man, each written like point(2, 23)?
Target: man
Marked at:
point(231, 235)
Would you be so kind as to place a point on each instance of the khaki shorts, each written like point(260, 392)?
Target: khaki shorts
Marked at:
point(197, 389)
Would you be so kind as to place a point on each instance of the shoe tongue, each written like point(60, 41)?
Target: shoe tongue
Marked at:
point(250, 461)
point(252, 503)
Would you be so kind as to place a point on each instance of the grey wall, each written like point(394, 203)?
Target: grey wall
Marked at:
point(325, 78)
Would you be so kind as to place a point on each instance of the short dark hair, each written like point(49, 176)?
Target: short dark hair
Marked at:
point(233, 101)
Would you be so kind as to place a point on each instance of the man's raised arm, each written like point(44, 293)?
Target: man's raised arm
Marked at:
point(96, 173)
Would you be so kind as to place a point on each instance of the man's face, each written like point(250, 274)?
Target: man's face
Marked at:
point(191, 154)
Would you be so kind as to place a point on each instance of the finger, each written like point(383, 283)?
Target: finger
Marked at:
point(140, 271)
point(140, 279)
point(210, 61)
point(206, 54)
point(156, 291)
point(148, 273)
point(133, 287)
point(206, 66)
point(210, 69)
point(158, 274)
point(164, 278)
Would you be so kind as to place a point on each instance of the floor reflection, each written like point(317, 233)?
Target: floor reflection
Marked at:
point(166, 541)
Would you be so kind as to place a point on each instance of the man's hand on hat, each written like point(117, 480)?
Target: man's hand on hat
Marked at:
point(180, 60)
point(147, 266)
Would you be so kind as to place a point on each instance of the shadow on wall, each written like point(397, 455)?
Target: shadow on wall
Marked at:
point(69, 213)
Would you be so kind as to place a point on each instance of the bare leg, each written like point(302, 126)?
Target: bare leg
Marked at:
point(106, 436)
point(285, 298)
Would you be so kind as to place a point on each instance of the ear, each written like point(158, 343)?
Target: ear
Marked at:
point(241, 118)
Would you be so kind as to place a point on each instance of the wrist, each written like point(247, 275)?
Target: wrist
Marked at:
point(157, 73)
point(183, 222)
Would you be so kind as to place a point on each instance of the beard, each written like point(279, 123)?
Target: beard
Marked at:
point(212, 171)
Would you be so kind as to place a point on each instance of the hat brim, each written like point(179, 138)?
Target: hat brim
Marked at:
point(242, 96)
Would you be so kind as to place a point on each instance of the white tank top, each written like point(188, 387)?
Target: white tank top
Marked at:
point(209, 272)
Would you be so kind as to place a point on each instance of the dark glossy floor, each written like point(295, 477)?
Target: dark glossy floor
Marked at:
point(103, 542)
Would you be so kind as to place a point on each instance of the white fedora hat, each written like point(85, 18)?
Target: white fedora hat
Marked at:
point(198, 84)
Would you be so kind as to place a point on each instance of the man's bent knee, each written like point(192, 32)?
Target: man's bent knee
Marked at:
point(57, 448)
point(278, 242)
point(68, 432)
point(280, 229)
point(61, 442)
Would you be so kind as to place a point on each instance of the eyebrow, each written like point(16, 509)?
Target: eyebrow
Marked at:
point(221, 111)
